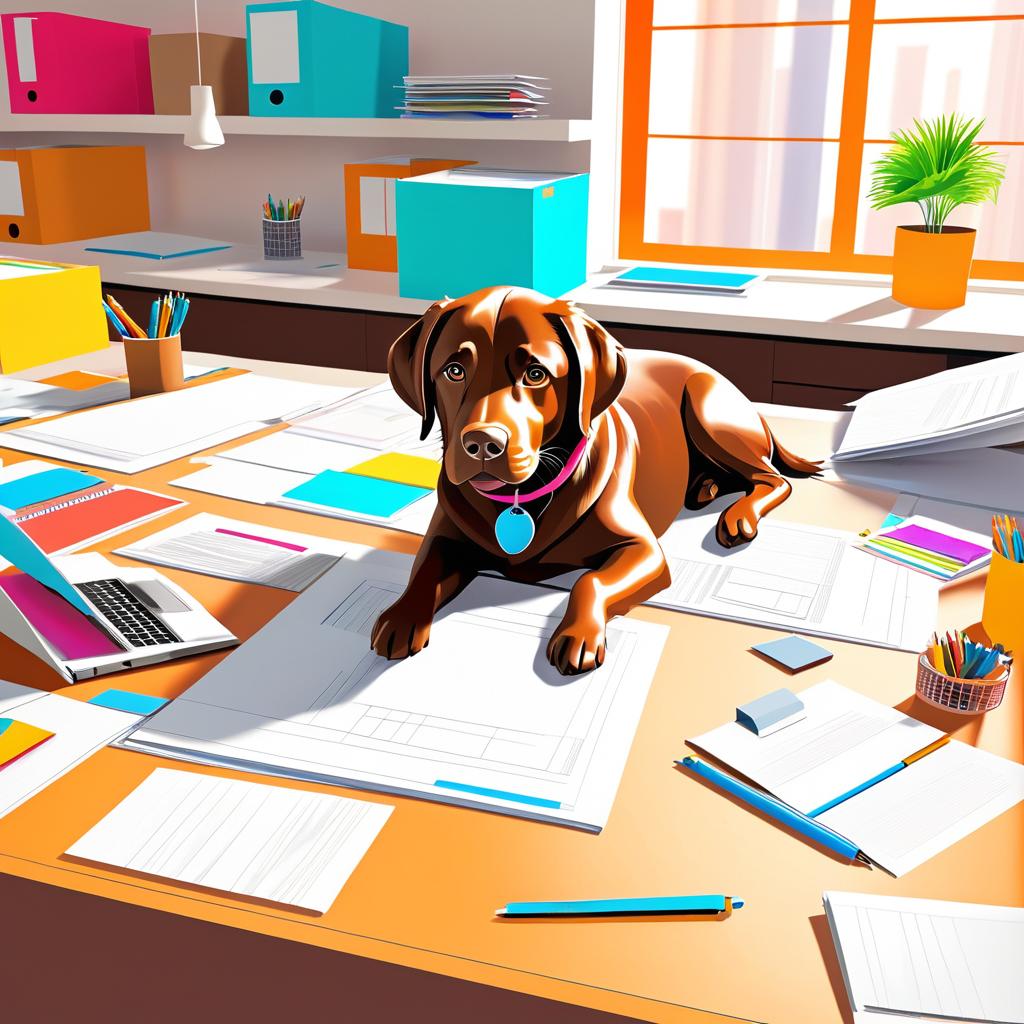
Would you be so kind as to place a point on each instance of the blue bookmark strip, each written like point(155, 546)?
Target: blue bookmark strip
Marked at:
point(124, 700)
point(497, 794)
point(836, 801)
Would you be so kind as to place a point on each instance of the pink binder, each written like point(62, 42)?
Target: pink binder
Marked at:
point(64, 64)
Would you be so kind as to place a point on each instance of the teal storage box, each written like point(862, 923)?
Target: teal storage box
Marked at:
point(308, 59)
point(471, 227)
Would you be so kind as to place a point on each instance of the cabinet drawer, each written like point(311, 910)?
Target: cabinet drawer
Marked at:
point(851, 366)
point(747, 362)
point(808, 396)
point(381, 331)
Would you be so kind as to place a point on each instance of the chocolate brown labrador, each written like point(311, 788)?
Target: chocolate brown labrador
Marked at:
point(602, 447)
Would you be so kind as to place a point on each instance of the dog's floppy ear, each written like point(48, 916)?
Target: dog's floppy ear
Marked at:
point(600, 358)
point(409, 362)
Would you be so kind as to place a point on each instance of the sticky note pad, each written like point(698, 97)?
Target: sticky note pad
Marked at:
point(125, 700)
point(794, 652)
point(43, 486)
point(414, 470)
point(772, 712)
point(939, 543)
point(17, 738)
point(364, 495)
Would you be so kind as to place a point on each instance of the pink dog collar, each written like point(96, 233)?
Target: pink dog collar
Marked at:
point(567, 471)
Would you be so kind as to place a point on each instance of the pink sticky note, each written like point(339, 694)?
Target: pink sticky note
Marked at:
point(56, 620)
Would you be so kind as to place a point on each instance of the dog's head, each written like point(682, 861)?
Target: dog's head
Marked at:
point(515, 378)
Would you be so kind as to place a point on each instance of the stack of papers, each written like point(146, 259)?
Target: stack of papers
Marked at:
point(499, 96)
point(975, 406)
point(147, 432)
point(235, 550)
point(843, 766)
point(268, 842)
point(479, 718)
point(63, 510)
point(931, 547)
point(684, 280)
point(925, 960)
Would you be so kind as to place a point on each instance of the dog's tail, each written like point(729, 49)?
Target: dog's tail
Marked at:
point(786, 462)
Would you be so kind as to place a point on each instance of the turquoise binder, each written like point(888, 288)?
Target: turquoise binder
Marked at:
point(468, 228)
point(308, 59)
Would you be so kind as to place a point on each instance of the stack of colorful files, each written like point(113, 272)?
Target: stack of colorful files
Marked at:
point(929, 546)
point(467, 96)
point(959, 658)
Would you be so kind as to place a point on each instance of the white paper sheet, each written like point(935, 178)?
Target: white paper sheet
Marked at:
point(154, 245)
point(147, 432)
point(917, 957)
point(804, 579)
point(847, 740)
point(79, 730)
point(248, 838)
point(959, 403)
point(457, 723)
point(235, 550)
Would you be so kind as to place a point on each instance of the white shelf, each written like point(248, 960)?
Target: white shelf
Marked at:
point(524, 130)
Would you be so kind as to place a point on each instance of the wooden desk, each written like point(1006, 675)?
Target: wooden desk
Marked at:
point(423, 897)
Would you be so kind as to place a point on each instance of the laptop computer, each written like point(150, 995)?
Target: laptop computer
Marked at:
point(85, 616)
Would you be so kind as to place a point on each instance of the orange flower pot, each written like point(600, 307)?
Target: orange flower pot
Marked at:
point(930, 271)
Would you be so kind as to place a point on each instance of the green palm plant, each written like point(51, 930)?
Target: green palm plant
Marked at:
point(939, 166)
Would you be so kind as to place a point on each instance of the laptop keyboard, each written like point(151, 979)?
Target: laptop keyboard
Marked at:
point(123, 610)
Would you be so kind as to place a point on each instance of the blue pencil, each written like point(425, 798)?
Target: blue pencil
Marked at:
point(154, 318)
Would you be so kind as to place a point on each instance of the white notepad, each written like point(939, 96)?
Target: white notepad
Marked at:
point(274, 843)
point(911, 960)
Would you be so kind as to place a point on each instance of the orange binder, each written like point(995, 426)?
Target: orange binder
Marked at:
point(65, 193)
point(370, 204)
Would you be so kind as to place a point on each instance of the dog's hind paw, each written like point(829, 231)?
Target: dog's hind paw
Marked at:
point(400, 632)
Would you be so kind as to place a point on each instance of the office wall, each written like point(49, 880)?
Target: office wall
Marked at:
point(217, 192)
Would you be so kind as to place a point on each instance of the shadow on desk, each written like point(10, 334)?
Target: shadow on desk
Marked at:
point(823, 936)
point(164, 969)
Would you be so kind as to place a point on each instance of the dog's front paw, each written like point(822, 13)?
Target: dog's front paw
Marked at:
point(402, 630)
point(577, 645)
point(737, 524)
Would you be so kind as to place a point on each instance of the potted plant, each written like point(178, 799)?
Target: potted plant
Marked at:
point(939, 166)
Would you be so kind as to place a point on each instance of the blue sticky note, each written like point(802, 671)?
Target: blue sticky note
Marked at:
point(364, 495)
point(794, 652)
point(42, 486)
point(125, 700)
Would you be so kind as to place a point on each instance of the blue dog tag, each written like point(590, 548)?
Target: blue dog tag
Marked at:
point(514, 530)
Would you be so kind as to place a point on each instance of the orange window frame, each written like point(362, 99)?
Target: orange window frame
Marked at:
point(840, 254)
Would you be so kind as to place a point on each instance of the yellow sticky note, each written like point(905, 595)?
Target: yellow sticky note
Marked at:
point(399, 468)
point(17, 738)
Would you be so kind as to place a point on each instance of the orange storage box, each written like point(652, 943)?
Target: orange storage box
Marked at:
point(65, 193)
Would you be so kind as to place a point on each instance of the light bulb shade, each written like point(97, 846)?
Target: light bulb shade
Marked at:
point(203, 130)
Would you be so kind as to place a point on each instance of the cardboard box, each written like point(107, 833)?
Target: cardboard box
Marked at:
point(473, 227)
point(172, 60)
point(370, 225)
point(48, 311)
point(308, 59)
point(64, 193)
point(66, 64)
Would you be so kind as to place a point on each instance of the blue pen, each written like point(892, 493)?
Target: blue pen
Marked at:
point(180, 314)
point(1018, 546)
point(775, 808)
point(703, 905)
point(112, 317)
point(154, 318)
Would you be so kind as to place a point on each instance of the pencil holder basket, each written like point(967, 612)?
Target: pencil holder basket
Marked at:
point(154, 365)
point(1003, 612)
point(282, 239)
point(964, 696)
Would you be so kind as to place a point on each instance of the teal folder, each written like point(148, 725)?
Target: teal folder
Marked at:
point(350, 492)
point(308, 59)
point(44, 485)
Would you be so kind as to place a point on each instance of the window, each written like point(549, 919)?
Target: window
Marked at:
point(750, 126)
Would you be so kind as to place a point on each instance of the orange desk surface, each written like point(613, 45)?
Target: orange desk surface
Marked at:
point(425, 893)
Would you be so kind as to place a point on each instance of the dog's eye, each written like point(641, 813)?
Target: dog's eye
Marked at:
point(455, 373)
point(535, 376)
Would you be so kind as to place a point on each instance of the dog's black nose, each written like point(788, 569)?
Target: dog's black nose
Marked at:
point(484, 441)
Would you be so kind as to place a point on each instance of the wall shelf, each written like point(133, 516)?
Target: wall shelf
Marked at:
point(525, 130)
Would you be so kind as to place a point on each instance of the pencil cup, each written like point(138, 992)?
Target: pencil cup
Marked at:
point(282, 239)
point(964, 696)
point(1003, 612)
point(154, 365)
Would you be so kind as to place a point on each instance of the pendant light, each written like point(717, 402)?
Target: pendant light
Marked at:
point(203, 130)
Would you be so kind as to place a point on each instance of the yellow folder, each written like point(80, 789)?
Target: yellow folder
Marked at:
point(401, 469)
